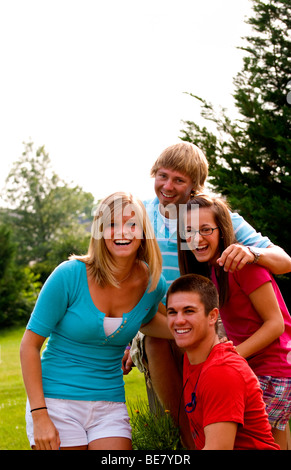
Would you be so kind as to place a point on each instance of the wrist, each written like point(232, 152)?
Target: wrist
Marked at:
point(40, 416)
point(256, 254)
point(38, 413)
point(38, 409)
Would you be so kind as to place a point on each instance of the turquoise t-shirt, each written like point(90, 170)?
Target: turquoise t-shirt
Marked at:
point(80, 362)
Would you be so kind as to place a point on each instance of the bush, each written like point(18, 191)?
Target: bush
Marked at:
point(19, 287)
point(153, 431)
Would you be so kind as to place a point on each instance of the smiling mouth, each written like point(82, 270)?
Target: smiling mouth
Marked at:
point(201, 249)
point(122, 242)
point(167, 196)
point(182, 331)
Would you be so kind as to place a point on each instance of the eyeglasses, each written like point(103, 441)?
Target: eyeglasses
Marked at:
point(205, 232)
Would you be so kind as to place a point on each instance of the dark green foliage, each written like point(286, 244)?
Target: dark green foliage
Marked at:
point(19, 287)
point(49, 219)
point(250, 157)
point(45, 220)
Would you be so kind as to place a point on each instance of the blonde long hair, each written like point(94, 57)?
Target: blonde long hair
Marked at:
point(99, 261)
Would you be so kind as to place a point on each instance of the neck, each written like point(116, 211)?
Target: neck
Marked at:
point(201, 352)
point(125, 270)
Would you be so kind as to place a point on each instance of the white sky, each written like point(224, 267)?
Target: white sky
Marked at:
point(101, 83)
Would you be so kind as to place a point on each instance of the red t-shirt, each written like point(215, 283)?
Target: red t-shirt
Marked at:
point(227, 389)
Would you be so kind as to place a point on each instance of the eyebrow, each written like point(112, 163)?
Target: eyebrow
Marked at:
point(171, 309)
point(180, 177)
point(186, 306)
point(203, 225)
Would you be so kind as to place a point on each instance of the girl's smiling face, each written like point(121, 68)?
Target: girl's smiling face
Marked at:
point(123, 236)
point(205, 248)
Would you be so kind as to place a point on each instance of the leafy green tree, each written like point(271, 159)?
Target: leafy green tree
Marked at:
point(19, 286)
point(250, 157)
point(44, 212)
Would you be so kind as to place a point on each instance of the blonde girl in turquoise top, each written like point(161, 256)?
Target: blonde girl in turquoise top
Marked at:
point(90, 308)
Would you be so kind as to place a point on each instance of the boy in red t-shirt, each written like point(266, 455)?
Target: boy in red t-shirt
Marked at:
point(222, 394)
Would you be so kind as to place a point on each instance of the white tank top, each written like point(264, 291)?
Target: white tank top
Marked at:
point(111, 324)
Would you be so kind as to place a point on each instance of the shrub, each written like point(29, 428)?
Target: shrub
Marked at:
point(153, 431)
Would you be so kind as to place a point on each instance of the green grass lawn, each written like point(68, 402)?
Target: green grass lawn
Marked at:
point(13, 397)
point(13, 400)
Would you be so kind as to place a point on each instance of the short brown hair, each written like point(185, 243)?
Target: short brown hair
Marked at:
point(186, 158)
point(198, 284)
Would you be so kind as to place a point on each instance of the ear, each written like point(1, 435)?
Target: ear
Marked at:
point(213, 316)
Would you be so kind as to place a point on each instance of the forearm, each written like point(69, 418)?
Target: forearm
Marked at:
point(157, 327)
point(275, 259)
point(263, 337)
point(32, 374)
point(46, 435)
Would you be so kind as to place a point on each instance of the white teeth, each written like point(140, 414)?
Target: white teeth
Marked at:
point(179, 332)
point(201, 248)
point(167, 195)
point(122, 242)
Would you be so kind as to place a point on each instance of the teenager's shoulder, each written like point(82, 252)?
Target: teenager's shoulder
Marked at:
point(160, 289)
point(162, 285)
point(154, 200)
point(71, 266)
point(225, 366)
point(246, 234)
point(224, 355)
point(252, 270)
point(250, 277)
point(68, 274)
point(151, 204)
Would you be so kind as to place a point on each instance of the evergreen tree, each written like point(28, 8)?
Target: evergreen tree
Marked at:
point(250, 157)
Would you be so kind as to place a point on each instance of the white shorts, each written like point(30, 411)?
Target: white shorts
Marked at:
point(80, 422)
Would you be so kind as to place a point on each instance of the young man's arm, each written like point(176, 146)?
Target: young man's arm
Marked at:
point(236, 256)
point(220, 436)
point(273, 257)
